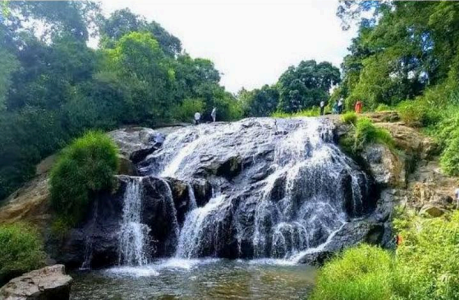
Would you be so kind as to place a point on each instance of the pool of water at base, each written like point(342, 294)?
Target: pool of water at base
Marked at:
point(197, 279)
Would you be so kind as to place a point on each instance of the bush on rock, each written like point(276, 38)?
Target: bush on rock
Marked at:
point(85, 167)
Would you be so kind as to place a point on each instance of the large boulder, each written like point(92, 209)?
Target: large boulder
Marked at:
point(49, 283)
point(387, 168)
point(135, 143)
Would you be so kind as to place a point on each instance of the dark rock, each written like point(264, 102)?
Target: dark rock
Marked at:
point(316, 258)
point(202, 191)
point(126, 167)
point(49, 283)
point(230, 168)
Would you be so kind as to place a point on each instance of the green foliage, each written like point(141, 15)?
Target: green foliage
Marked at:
point(449, 160)
point(362, 273)
point(349, 118)
point(259, 102)
point(425, 264)
point(312, 112)
point(433, 245)
point(306, 85)
point(186, 110)
point(364, 133)
point(383, 107)
point(84, 168)
point(21, 251)
point(54, 87)
point(418, 113)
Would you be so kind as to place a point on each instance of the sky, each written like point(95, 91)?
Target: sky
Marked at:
point(252, 42)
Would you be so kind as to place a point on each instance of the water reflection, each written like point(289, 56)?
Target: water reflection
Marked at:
point(197, 279)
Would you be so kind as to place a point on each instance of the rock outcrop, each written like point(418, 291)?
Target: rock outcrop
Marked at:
point(49, 283)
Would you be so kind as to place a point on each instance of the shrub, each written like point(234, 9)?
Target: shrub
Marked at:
point(427, 261)
point(186, 110)
point(366, 133)
point(383, 107)
point(449, 160)
point(84, 168)
point(21, 251)
point(363, 273)
point(418, 113)
point(349, 118)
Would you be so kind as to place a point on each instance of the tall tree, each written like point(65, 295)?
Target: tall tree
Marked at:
point(306, 85)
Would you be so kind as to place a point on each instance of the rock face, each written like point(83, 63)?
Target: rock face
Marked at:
point(135, 143)
point(49, 283)
point(254, 188)
point(95, 241)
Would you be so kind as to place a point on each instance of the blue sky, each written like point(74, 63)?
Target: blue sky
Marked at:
point(250, 41)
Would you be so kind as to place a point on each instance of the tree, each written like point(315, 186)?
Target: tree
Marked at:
point(122, 22)
point(306, 85)
point(259, 102)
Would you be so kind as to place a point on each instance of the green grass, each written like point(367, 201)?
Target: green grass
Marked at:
point(364, 132)
point(383, 107)
point(21, 250)
point(312, 112)
point(361, 273)
point(423, 267)
point(83, 169)
point(349, 118)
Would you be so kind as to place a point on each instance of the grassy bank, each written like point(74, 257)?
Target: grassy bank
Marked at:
point(424, 266)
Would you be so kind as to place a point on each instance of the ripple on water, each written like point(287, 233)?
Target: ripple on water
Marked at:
point(197, 279)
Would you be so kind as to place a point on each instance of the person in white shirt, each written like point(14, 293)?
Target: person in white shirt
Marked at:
point(197, 118)
point(456, 192)
point(213, 114)
point(322, 107)
point(340, 105)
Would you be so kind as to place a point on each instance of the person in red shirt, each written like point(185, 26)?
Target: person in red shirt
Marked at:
point(358, 107)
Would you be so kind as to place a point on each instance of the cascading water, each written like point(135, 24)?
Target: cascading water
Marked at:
point(133, 234)
point(282, 187)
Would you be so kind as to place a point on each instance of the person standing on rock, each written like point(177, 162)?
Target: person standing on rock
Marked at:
point(213, 114)
point(197, 118)
point(340, 105)
point(358, 107)
point(322, 107)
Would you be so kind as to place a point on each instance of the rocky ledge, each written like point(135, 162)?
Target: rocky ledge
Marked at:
point(50, 283)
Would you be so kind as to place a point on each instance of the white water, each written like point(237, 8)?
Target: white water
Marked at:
point(191, 235)
point(296, 209)
point(133, 234)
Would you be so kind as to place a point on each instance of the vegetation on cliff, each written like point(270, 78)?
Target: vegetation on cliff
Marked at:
point(21, 251)
point(85, 167)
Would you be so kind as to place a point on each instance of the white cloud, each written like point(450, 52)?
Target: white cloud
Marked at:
point(251, 41)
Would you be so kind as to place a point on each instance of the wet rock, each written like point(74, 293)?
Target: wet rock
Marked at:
point(181, 197)
point(96, 236)
point(230, 168)
point(135, 143)
point(126, 167)
point(202, 191)
point(49, 283)
point(387, 168)
point(316, 258)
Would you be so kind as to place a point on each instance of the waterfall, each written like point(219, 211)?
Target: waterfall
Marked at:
point(292, 192)
point(192, 235)
point(89, 241)
point(133, 234)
